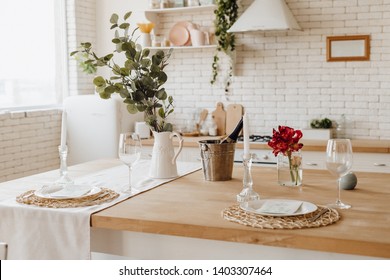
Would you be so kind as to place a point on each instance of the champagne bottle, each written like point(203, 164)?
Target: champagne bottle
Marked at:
point(232, 137)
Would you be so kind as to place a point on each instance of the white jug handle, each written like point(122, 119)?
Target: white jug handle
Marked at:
point(174, 133)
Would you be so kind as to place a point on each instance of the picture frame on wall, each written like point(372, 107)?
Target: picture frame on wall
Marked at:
point(348, 48)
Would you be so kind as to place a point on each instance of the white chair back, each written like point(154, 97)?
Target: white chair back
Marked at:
point(3, 250)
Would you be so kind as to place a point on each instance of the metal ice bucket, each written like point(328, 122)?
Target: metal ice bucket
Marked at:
point(217, 160)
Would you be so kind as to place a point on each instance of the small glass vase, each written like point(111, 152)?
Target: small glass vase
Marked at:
point(290, 169)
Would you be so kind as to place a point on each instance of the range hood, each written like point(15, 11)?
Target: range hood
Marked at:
point(266, 15)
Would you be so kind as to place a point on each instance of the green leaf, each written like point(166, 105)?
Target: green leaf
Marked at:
point(137, 56)
point(86, 45)
point(104, 95)
point(161, 94)
point(133, 86)
point(127, 15)
point(128, 100)
point(116, 69)
point(162, 77)
point(116, 41)
point(160, 54)
point(168, 127)
point(146, 62)
point(124, 25)
point(125, 72)
point(141, 107)
point(161, 113)
point(73, 53)
point(124, 93)
point(108, 57)
point(145, 52)
point(132, 109)
point(138, 95)
point(100, 89)
point(110, 90)
point(114, 18)
point(99, 81)
point(156, 60)
point(114, 26)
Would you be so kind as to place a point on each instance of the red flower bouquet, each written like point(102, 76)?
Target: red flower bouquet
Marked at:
point(285, 140)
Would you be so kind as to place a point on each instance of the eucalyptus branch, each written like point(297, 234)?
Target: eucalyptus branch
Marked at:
point(139, 81)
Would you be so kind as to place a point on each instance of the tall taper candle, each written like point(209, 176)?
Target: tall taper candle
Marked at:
point(246, 136)
point(63, 129)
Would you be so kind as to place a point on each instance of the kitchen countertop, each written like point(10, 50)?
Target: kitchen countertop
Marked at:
point(191, 207)
point(358, 145)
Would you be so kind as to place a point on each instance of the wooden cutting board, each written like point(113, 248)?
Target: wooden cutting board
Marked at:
point(234, 113)
point(219, 117)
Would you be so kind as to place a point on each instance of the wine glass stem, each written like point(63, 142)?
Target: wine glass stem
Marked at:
point(339, 190)
point(130, 170)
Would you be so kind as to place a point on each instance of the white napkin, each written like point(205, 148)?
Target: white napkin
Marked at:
point(280, 206)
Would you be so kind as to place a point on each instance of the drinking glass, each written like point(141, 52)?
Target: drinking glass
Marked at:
point(129, 152)
point(339, 162)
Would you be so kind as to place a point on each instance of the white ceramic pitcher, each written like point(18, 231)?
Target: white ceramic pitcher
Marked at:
point(163, 164)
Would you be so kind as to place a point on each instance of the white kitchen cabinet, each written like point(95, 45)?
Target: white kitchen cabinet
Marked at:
point(365, 162)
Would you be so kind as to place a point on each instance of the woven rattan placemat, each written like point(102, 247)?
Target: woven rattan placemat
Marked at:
point(235, 214)
point(105, 195)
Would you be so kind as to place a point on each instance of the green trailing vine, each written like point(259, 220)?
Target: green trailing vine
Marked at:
point(225, 15)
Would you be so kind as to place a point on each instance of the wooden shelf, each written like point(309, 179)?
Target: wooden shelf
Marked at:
point(183, 48)
point(182, 9)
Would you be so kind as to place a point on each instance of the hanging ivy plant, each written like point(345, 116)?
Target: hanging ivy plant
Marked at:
point(225, 15)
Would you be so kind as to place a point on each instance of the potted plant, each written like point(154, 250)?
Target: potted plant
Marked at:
point(139, 81)
point(321, 129)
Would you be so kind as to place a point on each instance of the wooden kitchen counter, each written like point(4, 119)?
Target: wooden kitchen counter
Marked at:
point(358, 145)
point(191, 207)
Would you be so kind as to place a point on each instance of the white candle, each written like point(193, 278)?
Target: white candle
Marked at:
point(246, 136)
point(63, 129)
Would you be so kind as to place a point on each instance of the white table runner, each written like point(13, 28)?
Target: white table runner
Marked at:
point(34, 232)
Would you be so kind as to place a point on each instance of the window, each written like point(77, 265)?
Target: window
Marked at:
point(31, 52)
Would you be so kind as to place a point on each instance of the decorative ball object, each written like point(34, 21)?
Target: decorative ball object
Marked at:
point(348, 181)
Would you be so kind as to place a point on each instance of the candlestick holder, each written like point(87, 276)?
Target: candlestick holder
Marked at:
point(247, 194)
point(64, 177)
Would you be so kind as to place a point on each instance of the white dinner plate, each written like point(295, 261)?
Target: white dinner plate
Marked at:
point(68, 192)
point(179, 35)
point(280, 207)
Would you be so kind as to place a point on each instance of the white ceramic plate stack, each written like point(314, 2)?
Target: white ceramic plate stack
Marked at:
point(179, 35)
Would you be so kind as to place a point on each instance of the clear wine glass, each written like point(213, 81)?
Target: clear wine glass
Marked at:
point(129, 152)
point(339, 162)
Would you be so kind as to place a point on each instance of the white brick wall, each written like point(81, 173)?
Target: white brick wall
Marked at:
point(283, 77)
point(81, 28)
point(28, 142)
